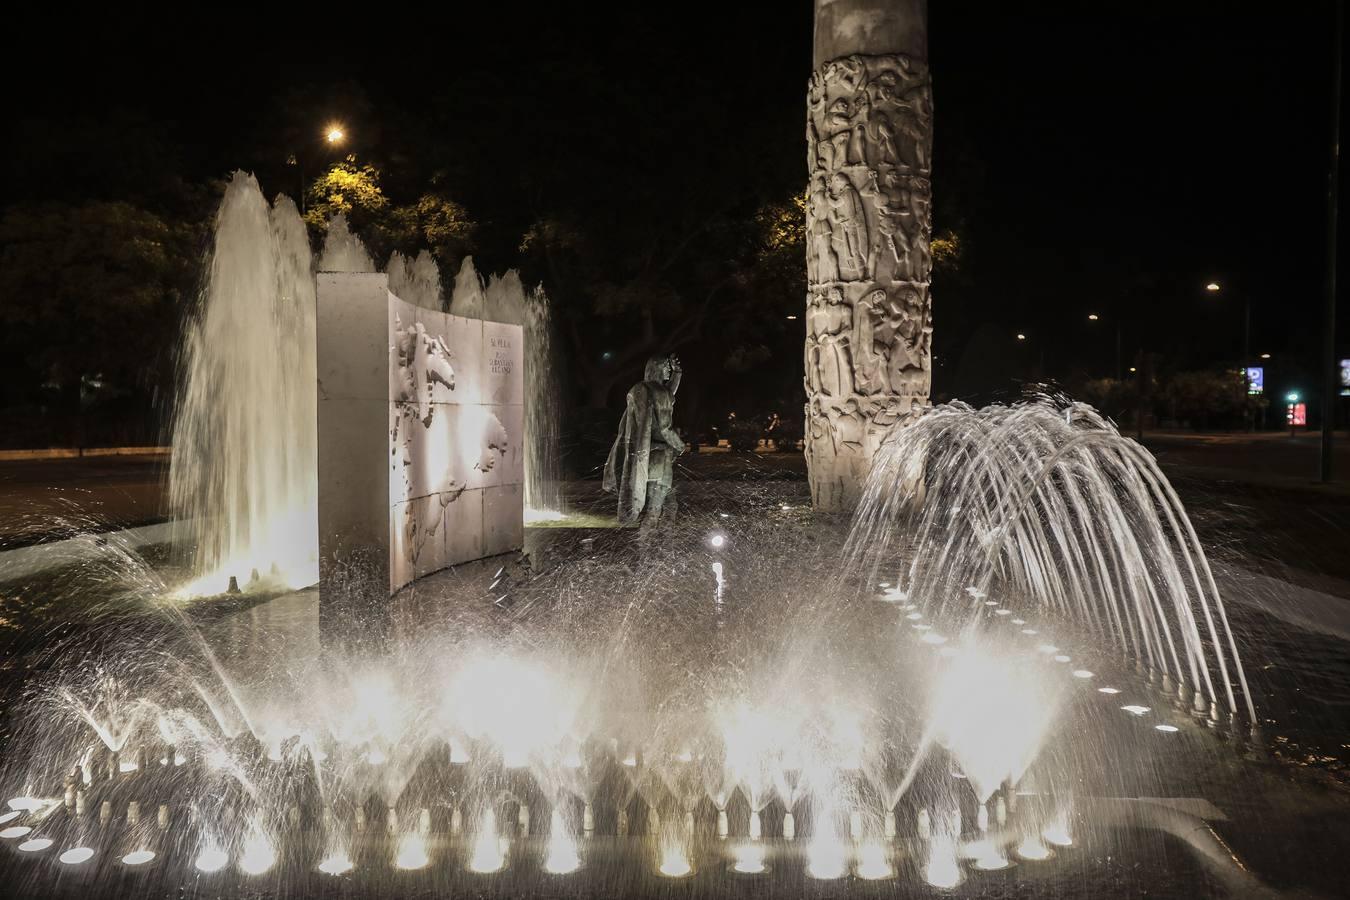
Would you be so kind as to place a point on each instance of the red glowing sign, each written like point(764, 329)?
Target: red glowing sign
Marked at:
point(1297, 414)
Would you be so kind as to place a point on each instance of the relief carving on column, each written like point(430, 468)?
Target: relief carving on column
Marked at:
point(869, 316)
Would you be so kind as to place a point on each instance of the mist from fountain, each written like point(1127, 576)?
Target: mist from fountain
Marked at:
point(243, 484)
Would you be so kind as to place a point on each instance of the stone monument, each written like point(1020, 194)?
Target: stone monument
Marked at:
point(420, 432)
point(640, 468)
point(868, 218)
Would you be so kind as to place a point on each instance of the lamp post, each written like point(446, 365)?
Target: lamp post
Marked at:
point(1214, 288)
point(333, 135)
point(1093, 317)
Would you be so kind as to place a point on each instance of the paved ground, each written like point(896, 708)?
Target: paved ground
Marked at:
point(49, 499)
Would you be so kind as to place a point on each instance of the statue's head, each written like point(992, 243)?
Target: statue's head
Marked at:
point(658, 370)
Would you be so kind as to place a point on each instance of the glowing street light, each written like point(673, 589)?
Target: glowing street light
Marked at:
point(1021, 336)
point(334, 134)
point(1292, 396)
point(1213, 287)
point(1265, 356)
point(1092, 317)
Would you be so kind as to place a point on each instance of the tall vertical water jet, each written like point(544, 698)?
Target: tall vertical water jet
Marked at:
point(416, 280)
point(342, 250)
point(543, 465)
point(243, 481)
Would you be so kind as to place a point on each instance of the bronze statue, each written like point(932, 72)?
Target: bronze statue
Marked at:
point(641, 463)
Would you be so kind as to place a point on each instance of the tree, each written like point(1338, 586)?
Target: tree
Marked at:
point(92, 296)
point(433, 221)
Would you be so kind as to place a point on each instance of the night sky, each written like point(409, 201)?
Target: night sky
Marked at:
point(1103, 157)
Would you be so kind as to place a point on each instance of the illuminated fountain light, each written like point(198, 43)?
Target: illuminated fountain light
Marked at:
point(749, 859)
point(1082, 673)
point(827, 858)
point(932, 637)
point(988, 855)
point(258, 853)
point(1030, 631)
point(789, 827)
point(1003, 612)
point(717, 540)
point(26, 804)
point(211, 859)
point(34, 845)
point(1057, 832)
point(1019, 621)
point(942, 870)
point(336, 863)
point(1061, 658)
point(976, 593)
point(873, 863)
point(489, 854)
point(1135, 709)
point(562, 854)
point(9, 817)
point(674, 860)
point(756, 825)
point(14, 832)
point(1047, 649)
point(914, 616)
point(412, 852)
point(76, 855)
point(1108, 690)
point(1167, 728)
point(1032, 848)
point(138, 857)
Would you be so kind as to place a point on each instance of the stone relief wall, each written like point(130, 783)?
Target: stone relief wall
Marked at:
point(456, 438)
point(421, 434)
point(869, 315)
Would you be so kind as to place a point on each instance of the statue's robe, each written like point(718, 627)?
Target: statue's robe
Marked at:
point(644, 451)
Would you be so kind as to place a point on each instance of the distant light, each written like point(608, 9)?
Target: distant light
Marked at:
point(1292, 396)
point(792, 318)
point(1168, 728)
point(1021, 336)
point(77, 855)
point(335, 134)
point(1092, 317)
point(1212, 287)
point(1265, 356)
point(1133, 369)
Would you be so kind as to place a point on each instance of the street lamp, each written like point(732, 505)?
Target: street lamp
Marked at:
point(1092, 317)
point(1021, 337)
point(1213, 288)
point(334, 134)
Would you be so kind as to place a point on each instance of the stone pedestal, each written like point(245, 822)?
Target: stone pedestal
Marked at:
point(868, 315)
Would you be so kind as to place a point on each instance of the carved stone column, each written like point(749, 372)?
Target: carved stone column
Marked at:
point(868, 313)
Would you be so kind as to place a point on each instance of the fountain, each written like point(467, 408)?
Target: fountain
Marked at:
point(982, 677)
point(243, 485)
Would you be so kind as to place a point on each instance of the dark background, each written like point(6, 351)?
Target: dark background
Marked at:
point(1106, 158)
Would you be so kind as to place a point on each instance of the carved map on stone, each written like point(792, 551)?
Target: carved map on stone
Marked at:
point(869, 316)
point(456, 437)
